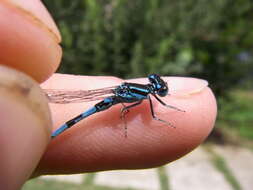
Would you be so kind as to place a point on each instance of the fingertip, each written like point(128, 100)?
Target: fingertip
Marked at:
point(25, 127)
point(185, 86)
point(99, 143)
point(29, 39)
point(37, 11)
point(195, 97)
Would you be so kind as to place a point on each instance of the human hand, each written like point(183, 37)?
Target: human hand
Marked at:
point(98, 142)
point(28, 43)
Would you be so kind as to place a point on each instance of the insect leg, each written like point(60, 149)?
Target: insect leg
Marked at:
point(166, 105)
point(153, 114)
point(124, 111)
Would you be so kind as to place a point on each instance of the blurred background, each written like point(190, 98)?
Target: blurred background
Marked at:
point(212, 40)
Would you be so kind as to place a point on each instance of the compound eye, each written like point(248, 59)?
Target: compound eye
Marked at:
point(163, 91)
point(153, 78)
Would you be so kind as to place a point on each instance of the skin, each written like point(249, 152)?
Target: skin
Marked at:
point(98, 142)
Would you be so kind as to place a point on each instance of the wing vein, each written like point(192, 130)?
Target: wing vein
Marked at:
point(61, 96)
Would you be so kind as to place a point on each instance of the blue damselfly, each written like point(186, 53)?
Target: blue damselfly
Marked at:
point(125, 93)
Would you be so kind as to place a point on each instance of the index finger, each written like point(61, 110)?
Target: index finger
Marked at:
point(98, 142)
point(29, 39)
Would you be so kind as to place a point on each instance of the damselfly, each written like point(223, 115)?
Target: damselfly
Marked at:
point(125, 93)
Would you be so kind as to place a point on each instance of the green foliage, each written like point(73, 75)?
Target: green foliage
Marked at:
point(163, 178)
point(125, 38)
point(221, 165)
point(40, 184)
point(236, 114)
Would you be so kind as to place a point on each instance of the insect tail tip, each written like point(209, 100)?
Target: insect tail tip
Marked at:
point(53, 136)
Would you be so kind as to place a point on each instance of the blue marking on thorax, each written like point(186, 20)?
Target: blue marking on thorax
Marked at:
point(132, 92)
point(138, 92)
point(138, 96)
point(108, 100)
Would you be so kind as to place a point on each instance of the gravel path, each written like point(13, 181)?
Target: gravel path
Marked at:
point(194, 171)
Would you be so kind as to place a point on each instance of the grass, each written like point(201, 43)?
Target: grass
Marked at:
point(88, 183)
point(236, 115)
point(220, 164)
point(163, 179)
point(42, 184)
point(89, 179)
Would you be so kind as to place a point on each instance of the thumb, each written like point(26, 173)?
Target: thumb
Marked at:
point(24, 127)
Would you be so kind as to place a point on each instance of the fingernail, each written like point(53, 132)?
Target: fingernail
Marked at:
point(29, 42)
point(183, 87)
point(37, 12)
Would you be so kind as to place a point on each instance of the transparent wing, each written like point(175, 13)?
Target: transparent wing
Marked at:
point(59, 96)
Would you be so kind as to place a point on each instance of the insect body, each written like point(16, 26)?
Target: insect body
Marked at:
point(125, 93)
